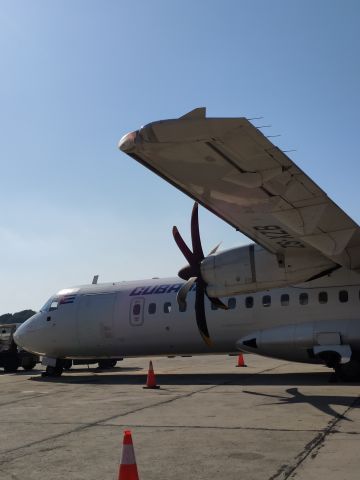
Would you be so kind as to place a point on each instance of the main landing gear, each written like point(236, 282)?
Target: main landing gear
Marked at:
point(104, 364)
point(348, 372)
point(343, 372)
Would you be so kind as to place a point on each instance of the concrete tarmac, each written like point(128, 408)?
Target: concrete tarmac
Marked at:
point(271, 420)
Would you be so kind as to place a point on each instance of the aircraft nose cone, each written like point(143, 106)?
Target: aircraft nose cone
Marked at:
point(127, 142)
point(29, 335)
point(19, 336)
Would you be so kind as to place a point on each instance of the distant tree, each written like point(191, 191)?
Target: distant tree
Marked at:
point(18, 317)
point(6, 318)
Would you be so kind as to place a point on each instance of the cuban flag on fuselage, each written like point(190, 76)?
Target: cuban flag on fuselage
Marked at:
point(67, 299)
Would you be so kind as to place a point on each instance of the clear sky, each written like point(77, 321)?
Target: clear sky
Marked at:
point(77, 75)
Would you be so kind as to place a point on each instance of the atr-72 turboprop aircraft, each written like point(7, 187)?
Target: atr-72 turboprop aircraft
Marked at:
point(294, 294)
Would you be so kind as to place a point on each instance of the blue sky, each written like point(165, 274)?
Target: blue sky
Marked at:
point(76, 75)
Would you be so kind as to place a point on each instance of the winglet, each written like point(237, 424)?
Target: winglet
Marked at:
point(196, 113)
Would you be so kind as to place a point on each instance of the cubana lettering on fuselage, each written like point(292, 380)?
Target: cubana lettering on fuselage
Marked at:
point(158, 289)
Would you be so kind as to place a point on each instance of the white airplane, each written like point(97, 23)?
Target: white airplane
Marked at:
point(294, 294)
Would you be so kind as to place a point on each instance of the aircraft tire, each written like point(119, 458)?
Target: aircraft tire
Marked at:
point(107, 363)
point(54, 371)
point(348, 372)
point(67, 364)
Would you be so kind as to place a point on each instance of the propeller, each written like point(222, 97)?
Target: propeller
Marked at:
point(192, 274)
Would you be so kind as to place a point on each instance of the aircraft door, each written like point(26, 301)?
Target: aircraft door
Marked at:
point(137, 312)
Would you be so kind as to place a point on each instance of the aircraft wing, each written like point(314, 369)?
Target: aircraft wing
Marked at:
point(232, 169)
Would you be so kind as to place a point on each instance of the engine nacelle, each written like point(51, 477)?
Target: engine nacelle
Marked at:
point(305, 342)
point(252, 268)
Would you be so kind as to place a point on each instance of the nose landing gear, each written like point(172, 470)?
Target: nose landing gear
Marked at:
point(53, 371)
point(54, 367)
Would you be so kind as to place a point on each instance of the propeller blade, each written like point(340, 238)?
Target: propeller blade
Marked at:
point(195, 234)
point(186, 272)
point(185, 250)
point(215, 248)
point(216, 301)
point(200, 312)
point(184, 290)
point(192, 273)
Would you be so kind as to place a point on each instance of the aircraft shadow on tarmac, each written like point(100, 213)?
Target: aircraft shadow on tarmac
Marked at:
point(98, 370)
point(324, 403)
point(291, 396)
point(95, 370)
point(166, 379)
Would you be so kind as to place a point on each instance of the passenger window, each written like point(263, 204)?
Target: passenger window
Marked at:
point(152, 308)
point(54, 305)
point(167, 307)
point(249, 302)
point(136, 309)
point(266, 301)
point(303, 298)
point(231, 303)
point(323, 297)
point(285, 300)
point(343, 296)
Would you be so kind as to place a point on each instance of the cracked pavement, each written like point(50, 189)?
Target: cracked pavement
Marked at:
point(272, 420)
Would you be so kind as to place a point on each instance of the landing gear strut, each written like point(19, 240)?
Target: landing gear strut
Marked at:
point(343, 372)
point(348, 372)
point(54, 371)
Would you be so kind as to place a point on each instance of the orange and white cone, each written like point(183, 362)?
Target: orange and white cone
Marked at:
point(128, 467)
point(151, 379)
point(241, 361)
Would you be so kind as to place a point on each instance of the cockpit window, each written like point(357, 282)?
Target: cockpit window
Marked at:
point(46, 307)
point(54, 305)
point(64, 297)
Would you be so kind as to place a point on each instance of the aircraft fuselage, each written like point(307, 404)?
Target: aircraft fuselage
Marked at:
point(140, 318)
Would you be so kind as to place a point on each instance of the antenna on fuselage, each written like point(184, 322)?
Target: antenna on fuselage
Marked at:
point(95, 279)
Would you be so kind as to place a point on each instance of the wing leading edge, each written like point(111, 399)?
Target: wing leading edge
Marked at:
point(232, 169)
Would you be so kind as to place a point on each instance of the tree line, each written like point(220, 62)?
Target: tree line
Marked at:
point(18, 317)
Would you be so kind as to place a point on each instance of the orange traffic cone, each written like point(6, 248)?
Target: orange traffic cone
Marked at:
point(151, 380)
point(128, 468)
point(241, 362)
